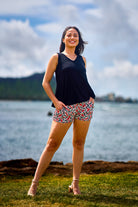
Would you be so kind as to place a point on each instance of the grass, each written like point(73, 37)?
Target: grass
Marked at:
point(104, 190)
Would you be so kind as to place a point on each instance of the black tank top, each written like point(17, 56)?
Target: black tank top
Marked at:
point(71, 81)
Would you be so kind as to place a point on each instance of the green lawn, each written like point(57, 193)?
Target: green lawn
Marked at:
point(114, 190)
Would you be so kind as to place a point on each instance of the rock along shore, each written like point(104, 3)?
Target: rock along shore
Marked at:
point(27, 167)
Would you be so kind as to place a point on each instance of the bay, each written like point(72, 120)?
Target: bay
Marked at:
point(25, 126)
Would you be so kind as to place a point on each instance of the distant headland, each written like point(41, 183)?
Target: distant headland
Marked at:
point(30, 88)
point(111, 97)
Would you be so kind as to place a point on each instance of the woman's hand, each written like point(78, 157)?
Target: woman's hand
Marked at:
point(59, 105)
point(91, 100)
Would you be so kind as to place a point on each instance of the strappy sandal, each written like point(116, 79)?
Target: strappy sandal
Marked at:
point(74, 189)
point(33, 188)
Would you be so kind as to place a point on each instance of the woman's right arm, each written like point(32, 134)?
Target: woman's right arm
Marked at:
point(46, 82)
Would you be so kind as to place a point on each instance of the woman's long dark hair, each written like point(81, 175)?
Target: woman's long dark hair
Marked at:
point(80, 47)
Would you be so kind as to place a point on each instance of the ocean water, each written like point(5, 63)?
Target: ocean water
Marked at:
point(25, 126)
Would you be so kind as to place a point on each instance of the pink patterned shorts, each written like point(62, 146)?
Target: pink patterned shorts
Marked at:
point(82, 111)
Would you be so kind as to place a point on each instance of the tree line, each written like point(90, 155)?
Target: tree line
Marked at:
point(26, 88)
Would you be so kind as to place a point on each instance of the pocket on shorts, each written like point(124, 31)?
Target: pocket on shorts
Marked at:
point(60, 112)
point(91, 104)
point(64, 115)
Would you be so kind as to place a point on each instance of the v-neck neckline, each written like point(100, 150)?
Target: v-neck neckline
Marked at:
point(70, 58)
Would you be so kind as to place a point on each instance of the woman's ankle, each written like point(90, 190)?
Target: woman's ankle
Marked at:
point(34, 180)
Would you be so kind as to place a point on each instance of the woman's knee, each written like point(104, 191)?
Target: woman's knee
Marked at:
point(52, 145)
point(79, 144)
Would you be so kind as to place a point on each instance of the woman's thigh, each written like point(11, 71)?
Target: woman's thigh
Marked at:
point(58, 131)
point(80, 129)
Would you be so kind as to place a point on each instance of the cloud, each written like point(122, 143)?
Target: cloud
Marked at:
point(95, 12)
point(114, 27)
point(19, 7)
point(49, 28)
point(69, 14)
point(110, 33)
point(121, 78)
point(131, 8)
point(81, 1)
point(22, 51)
point(121, 69)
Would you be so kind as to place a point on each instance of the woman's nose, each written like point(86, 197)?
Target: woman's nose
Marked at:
point(72, 37)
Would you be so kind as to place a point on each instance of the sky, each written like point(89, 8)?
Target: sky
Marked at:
point(30, 33)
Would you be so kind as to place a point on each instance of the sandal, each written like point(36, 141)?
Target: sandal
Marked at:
point(74, 187)
point(33, 188)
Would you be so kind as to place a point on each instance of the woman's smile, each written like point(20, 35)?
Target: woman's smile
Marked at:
point(72, 42)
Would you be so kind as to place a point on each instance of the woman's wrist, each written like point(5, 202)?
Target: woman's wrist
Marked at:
point(55, 101)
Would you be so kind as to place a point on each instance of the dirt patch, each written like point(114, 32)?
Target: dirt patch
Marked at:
point(28, 166)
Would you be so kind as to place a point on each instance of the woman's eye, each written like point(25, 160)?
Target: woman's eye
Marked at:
point(75, 35)
point(72, 35)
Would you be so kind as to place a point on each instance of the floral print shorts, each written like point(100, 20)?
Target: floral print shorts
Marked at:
point(82, 111)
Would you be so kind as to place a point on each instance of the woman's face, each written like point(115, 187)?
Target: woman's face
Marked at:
point(71, 38)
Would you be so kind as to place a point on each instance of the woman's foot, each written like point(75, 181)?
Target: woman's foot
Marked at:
point(33, 188)
point(74, 187)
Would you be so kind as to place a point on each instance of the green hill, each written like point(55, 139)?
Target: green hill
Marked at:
point(26, 88)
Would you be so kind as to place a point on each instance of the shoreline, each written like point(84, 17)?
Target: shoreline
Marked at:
point(27, 167)
point(97, 100)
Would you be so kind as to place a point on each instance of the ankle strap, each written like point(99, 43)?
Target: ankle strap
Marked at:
point(75, 179)
point(34, 181)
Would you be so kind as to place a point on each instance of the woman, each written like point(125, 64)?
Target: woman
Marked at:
point(73, 102)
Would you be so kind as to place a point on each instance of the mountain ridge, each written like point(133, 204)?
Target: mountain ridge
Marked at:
point(24, 88)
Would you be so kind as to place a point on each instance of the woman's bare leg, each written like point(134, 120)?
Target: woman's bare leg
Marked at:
point(57, 133)
point(80, 129)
